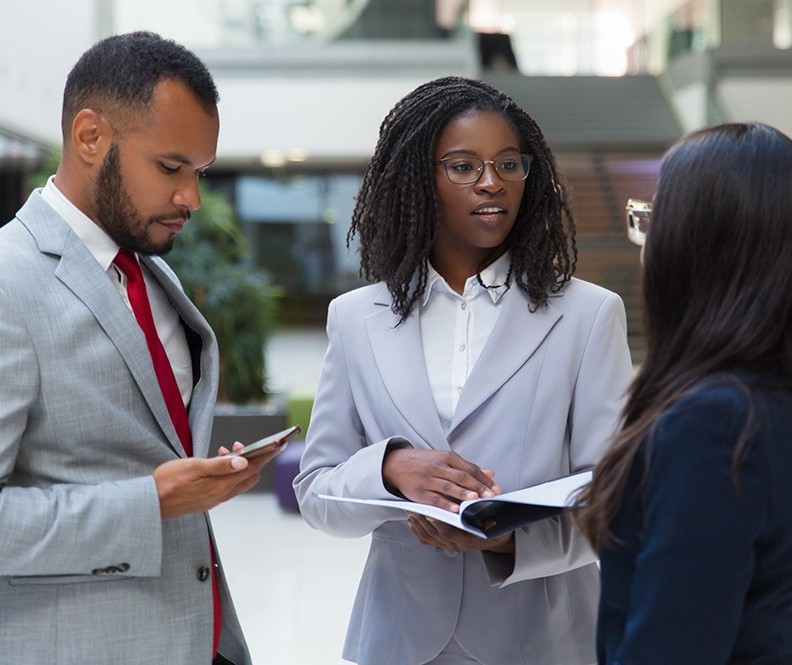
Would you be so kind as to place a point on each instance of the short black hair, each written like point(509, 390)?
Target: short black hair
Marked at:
point(121, 72)
point(396, 212)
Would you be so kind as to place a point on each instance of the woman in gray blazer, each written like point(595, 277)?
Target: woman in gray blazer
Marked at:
point(475, 364)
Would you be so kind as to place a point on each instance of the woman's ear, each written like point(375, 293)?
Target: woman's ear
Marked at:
point(91, 136)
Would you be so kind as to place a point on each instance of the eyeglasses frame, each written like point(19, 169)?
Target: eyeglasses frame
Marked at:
point(638, 218)
point(527, 161)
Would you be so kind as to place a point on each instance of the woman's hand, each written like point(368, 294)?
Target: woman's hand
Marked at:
point(438, 534)
point(438, 478)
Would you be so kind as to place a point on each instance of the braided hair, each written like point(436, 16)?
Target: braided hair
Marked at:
point(396, 210)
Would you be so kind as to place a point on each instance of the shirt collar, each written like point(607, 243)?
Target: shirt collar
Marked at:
point(495, 275)
point(103, 248)
point(495, 278)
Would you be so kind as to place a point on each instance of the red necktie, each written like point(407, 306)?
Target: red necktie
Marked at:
point(138, 298)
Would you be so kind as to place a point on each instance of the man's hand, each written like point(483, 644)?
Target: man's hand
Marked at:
point(438, 478)
point(195, 485)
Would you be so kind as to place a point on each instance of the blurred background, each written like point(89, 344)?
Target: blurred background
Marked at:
point(304, 85)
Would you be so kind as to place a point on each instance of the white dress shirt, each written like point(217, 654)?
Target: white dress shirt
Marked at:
point(455, 328)
point(104, 250)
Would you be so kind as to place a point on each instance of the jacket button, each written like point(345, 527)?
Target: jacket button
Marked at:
point(203, 574)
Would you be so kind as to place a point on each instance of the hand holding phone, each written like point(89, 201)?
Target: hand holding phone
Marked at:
point(267, 444)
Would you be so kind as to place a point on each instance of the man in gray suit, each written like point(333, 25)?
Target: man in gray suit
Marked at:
point(108, 382)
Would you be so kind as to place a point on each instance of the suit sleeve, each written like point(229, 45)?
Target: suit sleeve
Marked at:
point(555, 545)
point(337, 460)
point(697, 555)
point(62, 529)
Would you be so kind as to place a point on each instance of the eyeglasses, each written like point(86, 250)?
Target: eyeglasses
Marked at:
point(464, 170)
point(639, 215)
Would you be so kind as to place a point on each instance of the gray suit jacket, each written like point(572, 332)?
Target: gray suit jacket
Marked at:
point(89, 572)
point(542, 400)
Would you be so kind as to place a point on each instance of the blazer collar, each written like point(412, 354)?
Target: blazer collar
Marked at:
point(201, 411)
point(398, 351)
point(516, 336)
point(79, 271)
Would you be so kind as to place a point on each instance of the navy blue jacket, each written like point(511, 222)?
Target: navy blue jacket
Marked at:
point(703, 572)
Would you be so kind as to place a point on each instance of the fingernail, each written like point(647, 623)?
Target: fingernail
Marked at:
point(238, 463)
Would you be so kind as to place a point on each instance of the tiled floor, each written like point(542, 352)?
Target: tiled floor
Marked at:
point(293, 586)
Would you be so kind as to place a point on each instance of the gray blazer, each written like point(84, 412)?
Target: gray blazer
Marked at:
point(89, 572)
point(542, 400)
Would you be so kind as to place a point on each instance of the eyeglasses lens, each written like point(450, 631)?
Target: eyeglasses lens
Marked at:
point(639, 214)
point(468, 170)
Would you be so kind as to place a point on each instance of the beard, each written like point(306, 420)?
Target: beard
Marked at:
point(117, 213)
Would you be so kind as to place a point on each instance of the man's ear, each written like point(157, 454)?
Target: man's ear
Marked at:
point(91, 136)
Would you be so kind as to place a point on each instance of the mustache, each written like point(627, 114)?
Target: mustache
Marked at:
point(183, 219)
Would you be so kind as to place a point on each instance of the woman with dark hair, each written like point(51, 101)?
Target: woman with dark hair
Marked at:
point(476, 364)
point(691, 508)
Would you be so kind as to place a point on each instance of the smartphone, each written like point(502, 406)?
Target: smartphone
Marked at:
point(268, 444)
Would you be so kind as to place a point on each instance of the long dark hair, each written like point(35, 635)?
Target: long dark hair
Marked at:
point(717, 287)
point(396, 211)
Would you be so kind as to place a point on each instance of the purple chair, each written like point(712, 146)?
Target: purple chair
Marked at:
point(287, 466)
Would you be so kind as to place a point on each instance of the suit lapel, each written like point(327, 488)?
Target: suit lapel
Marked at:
point(201, 408)
point(398, 352)
point(517, 334)
point(79, 271)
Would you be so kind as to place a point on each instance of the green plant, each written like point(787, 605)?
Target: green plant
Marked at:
point(39, 177)
point(211, 258)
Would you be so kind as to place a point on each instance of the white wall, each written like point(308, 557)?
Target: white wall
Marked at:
point(759, 99)
point(330, 119)
point(39, 42)
point(690, 104)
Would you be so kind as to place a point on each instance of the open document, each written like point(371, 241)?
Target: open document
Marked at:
point(494, 516)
